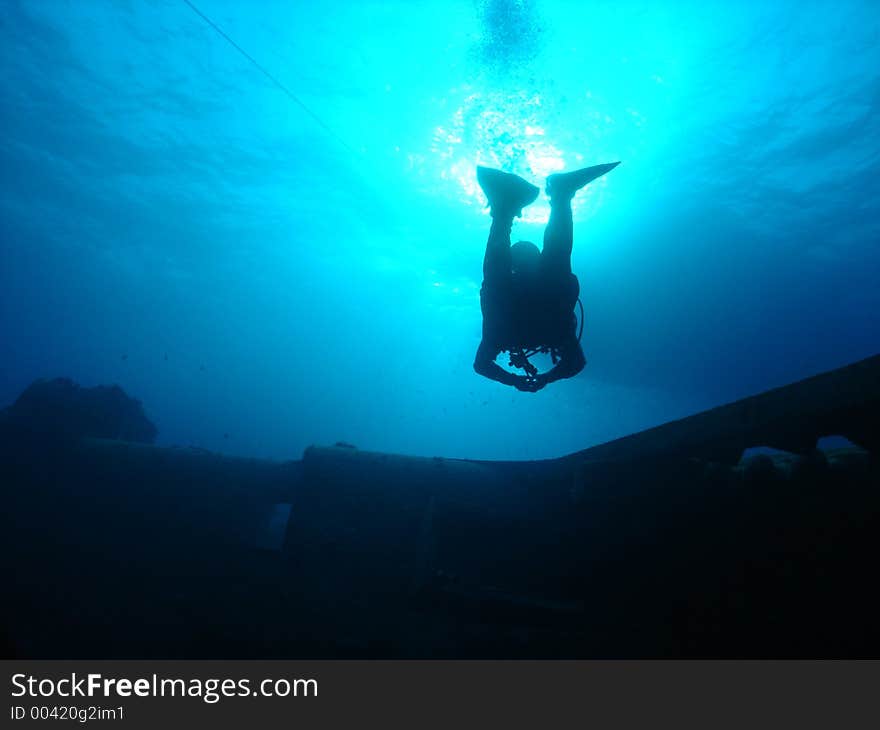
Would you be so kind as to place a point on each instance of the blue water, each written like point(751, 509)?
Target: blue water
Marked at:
point(174, 222)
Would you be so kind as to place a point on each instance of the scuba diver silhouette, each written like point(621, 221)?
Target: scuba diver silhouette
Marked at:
point(528, 296)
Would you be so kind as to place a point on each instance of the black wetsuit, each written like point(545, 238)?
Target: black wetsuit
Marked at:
point(534, 312)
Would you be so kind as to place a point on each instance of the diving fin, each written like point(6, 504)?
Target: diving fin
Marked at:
point(507, 193)
point(563, 185)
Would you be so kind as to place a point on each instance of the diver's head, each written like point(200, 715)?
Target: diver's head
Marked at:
point(524, 258)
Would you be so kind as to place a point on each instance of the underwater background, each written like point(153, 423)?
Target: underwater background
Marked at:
point(267, 269)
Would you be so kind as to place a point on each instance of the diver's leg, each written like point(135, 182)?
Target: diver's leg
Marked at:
point(507, 195)
point(559, 236)
point(496, 262)
point(562, 187)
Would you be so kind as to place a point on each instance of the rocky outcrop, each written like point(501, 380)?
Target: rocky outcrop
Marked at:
point(60, 408)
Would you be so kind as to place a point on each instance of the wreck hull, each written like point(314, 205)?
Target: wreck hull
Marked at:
point(661, 544)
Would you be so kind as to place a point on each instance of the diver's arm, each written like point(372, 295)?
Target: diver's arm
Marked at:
point(572, 362)
point(485, 365)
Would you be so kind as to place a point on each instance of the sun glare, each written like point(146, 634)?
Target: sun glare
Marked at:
point(508, 131)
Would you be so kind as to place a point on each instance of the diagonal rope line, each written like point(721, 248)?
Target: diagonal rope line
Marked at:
point(296, 100)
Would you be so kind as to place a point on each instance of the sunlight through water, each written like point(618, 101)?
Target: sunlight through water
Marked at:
point(511, 131)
